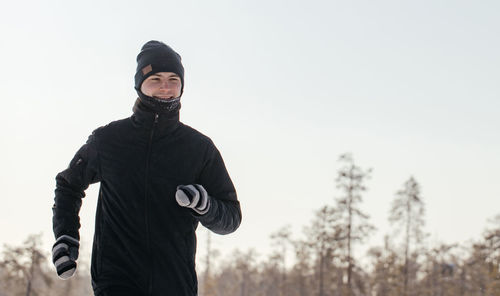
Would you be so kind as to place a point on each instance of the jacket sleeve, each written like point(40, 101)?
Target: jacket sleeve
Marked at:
point(224, 215)
point(71, 184)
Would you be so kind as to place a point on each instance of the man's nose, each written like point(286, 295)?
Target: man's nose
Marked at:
point(165, 85)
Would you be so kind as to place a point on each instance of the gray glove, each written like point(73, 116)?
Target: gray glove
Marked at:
point(194, 197)
point(64, 255)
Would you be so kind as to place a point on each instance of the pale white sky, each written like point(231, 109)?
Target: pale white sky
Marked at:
point(282, 87)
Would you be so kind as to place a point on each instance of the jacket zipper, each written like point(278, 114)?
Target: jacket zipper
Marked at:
point(146, 208)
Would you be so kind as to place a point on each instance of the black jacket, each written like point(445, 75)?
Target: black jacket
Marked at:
point(143, 239)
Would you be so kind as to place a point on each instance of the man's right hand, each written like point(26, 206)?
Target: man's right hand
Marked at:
point(64, 255)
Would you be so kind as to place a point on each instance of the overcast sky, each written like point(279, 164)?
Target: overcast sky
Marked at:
point(410, 88)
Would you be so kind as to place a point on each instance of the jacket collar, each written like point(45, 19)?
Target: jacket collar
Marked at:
point(144, 117)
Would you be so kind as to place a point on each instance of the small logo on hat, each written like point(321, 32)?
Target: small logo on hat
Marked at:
point(147, 69)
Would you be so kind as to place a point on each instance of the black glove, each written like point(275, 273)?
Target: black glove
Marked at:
point(194, 197)
point(64, 255)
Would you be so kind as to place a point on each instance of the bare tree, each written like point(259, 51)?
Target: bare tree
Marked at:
point(300, 272)
point(324, 239)
point(440, 273)
point(350, 180)
point(25, 267)
point(281, 239)
point(407, 212)
point(244, 266)
point(207, 287)
point(385, 275)
point(492, 245)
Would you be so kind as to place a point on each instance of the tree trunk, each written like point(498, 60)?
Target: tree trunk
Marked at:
point(28, 288)
point(207, 259)
point(321, 274)
point(349, 233)
point(407, 248)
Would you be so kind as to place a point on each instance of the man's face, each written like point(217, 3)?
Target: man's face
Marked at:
point(162, 85)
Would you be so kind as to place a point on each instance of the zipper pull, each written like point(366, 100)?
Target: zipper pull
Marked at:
point(156, 118)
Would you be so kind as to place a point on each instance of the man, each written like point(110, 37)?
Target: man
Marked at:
point(158, 179)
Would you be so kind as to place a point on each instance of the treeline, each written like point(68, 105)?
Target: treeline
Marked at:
point(26, 270)
point(321, 263)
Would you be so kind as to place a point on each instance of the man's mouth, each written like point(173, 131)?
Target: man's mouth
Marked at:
point(164, 98)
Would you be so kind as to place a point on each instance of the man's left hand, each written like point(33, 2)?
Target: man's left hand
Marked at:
point(194, 197)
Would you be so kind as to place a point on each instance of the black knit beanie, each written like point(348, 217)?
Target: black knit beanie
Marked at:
point(156, 56)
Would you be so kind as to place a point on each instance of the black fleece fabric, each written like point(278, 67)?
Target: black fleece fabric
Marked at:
point(144, 241)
